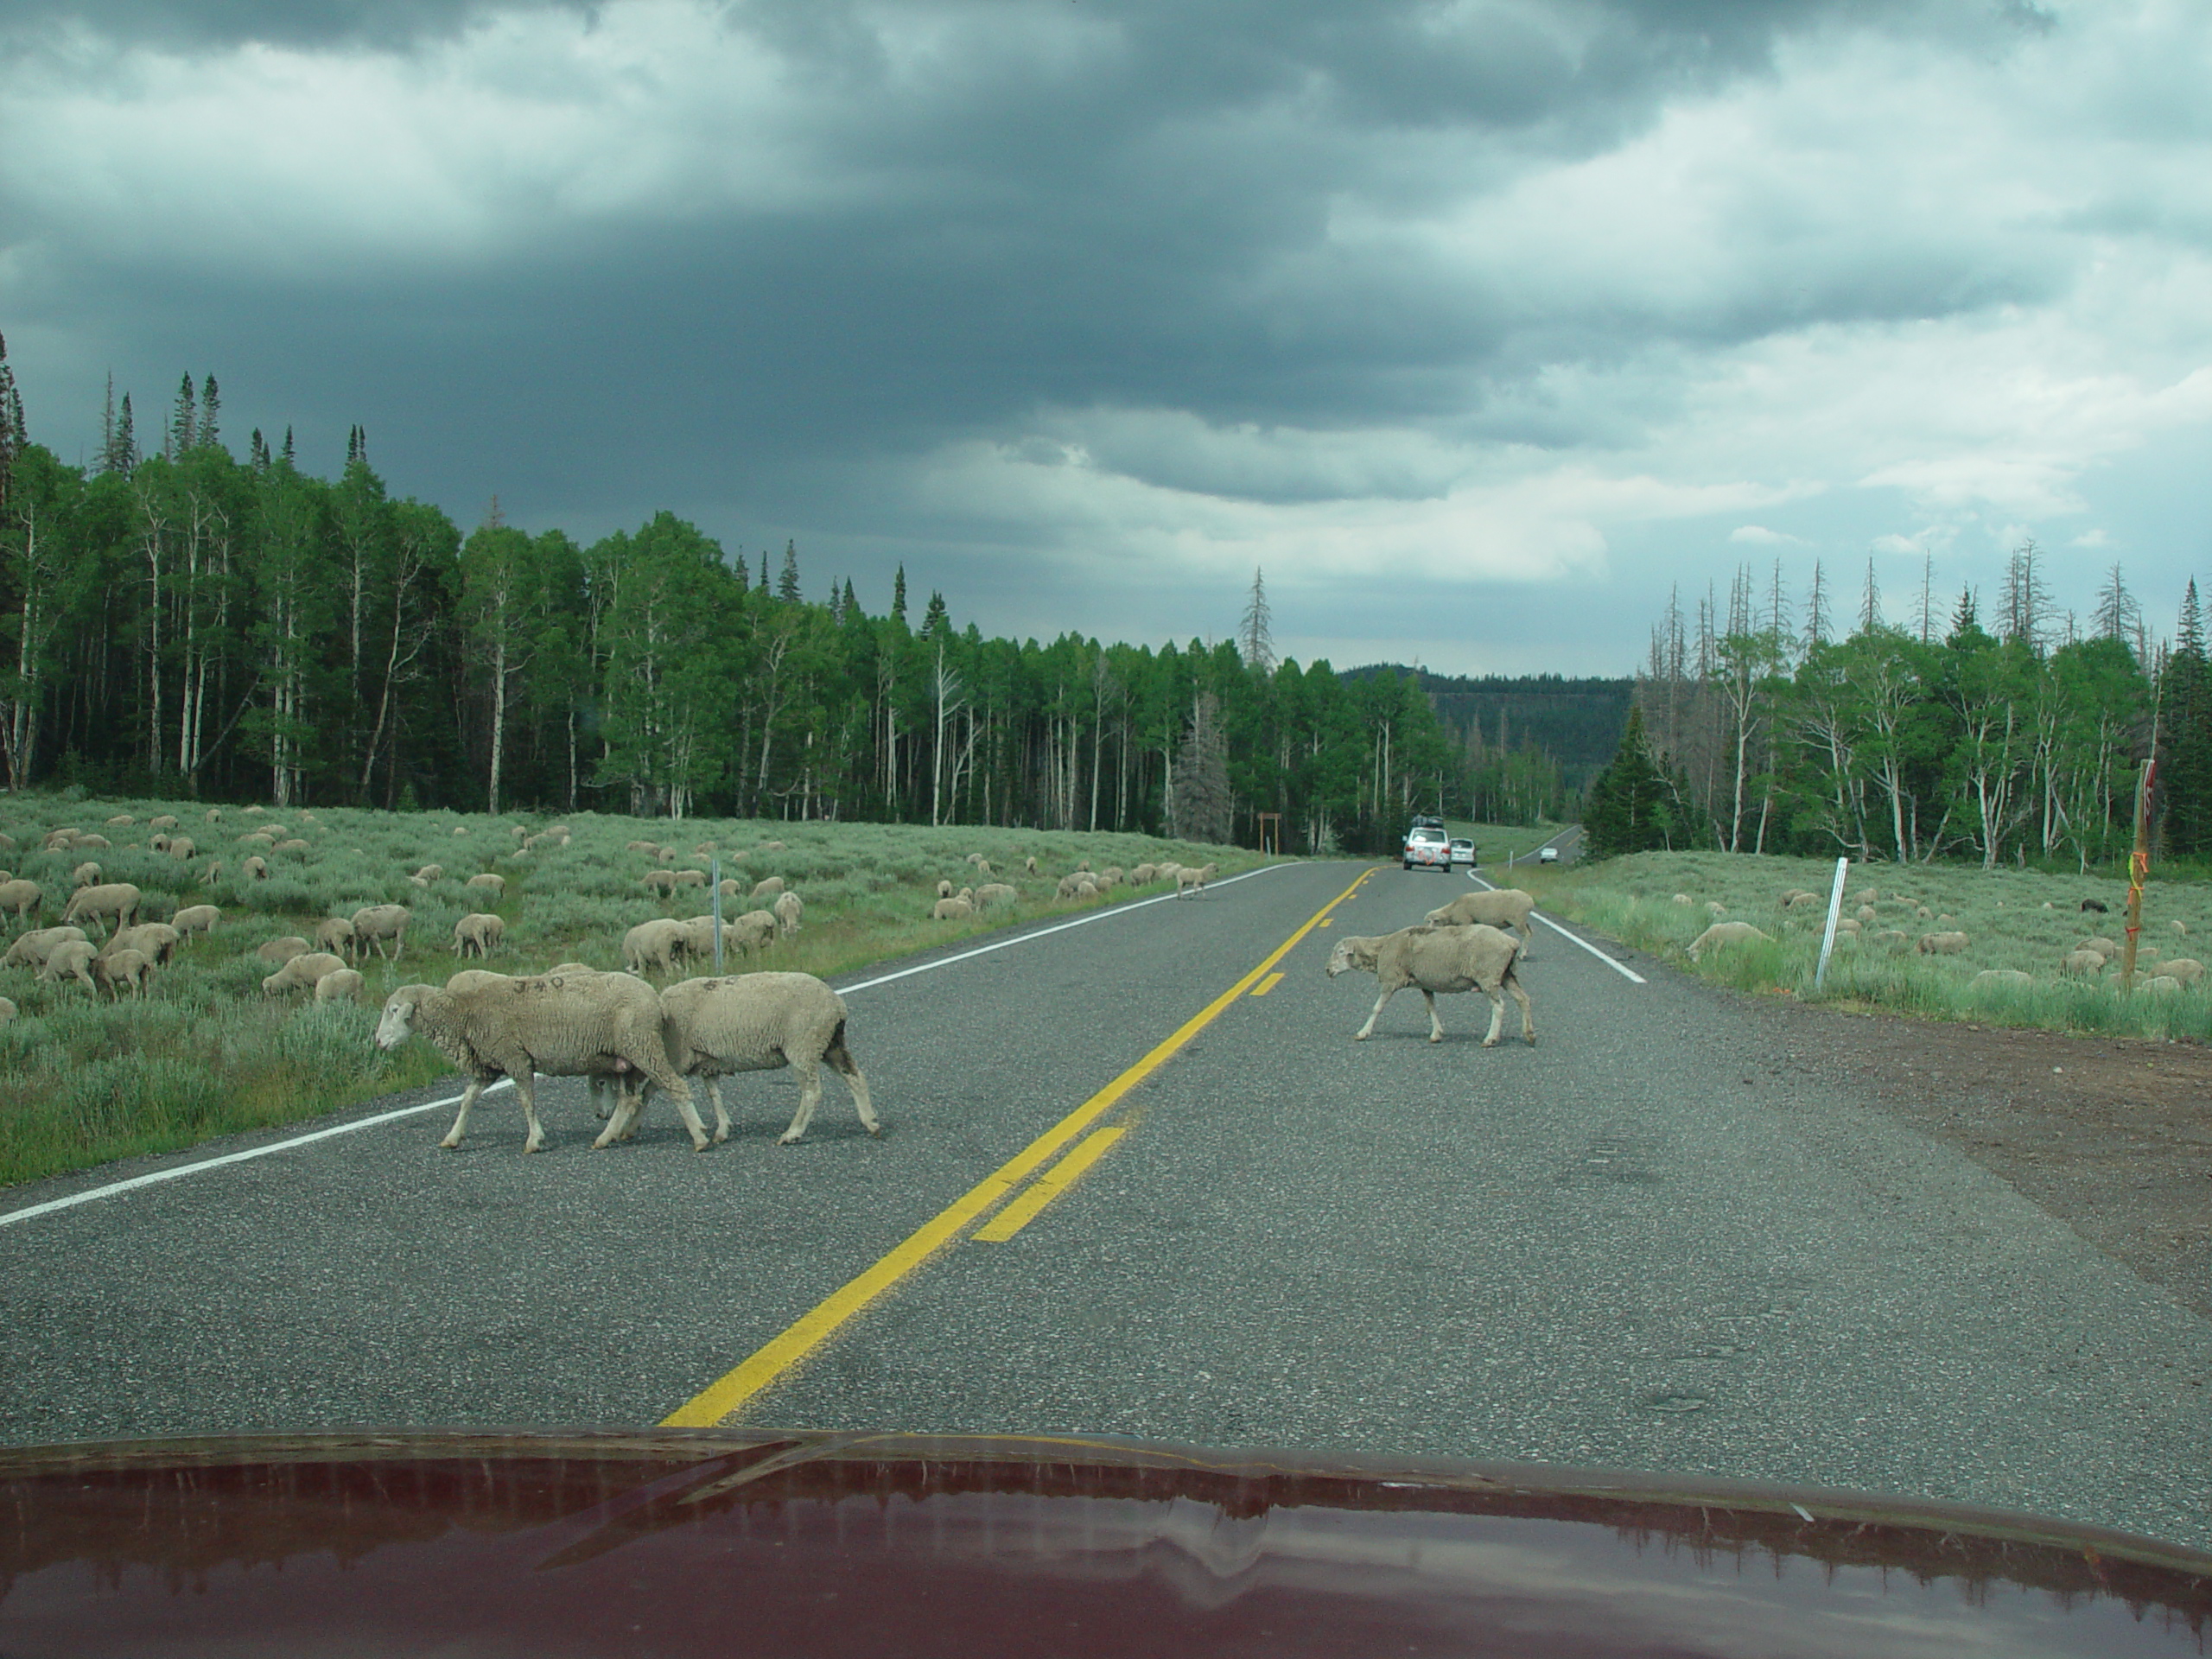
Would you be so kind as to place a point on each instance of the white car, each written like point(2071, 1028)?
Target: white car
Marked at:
point(1463, 851)
point(1547, 856)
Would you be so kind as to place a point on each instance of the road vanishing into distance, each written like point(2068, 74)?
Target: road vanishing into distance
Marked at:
point(1137, 1179)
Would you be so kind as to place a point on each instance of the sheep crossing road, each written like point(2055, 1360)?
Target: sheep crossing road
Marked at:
point(1612, 1249)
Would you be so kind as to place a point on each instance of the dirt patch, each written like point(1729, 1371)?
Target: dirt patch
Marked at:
point(2112, 1136)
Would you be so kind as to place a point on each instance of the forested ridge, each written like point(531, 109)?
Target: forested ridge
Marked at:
point(190, 622)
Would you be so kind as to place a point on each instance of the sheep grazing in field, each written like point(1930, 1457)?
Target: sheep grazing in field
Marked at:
point(293, 846)
point(489, 882)
point(1434, 960)
point(952, 909)
point(1921, 913)
point(1029, 866)
point(1941, 944)
point(214, 815)
point(31, 949)
point(1166, 872)
point(1715, 909)
point(2187, 970)
point(260, 839)
point(944, 888)
point(461, 829)
point(753, 932)
point(156, 941)
point(429, 873)
point(995, 892)
point(278, 951)
point(690, 878)
point(1946, 922)
point(166, 821)
point(1797, 898)
point(1193, 881)
point(2082, 964)
point(1993, 978)
point(7, 1009)
point(21, 896)
point(300, 973)
point(1141, 876)
point(1507, 907)
point(2161, 985)
point(343, 985)
point(1868, 915)
point(648, 848)
point(478, 935)
point(86, 876)
point(1722, 933)
point(1075, 887)
point(2103, 946)
point(768, 888)
point(195, 919)
point(655, 946)
point(182, 849)
point(374, 924)
point(90, 843)
point(2180, 928)
point(70, 959)
point(2096, 904)
point(770, 846)
point(982, 866)
point(748, 933)
point(121, 821)
point(661, 882)
point(115, 903)
point(1684, 899)
point(212, 874)
point(788, 910)
point(256, 869)
point(717, 1028)
point(335, 935)
point(158, 844)
point(117, 969)
point(561, 1025)
point(254, 812)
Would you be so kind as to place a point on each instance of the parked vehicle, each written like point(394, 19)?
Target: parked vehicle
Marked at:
point(1428, 848)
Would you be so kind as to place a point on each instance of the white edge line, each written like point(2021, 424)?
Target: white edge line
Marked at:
point(179, 1171)
point(1620, 968)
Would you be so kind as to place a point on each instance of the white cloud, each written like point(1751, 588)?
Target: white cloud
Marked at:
point(1760, 536)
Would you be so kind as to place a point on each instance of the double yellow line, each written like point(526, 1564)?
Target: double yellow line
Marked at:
point(715, 1401)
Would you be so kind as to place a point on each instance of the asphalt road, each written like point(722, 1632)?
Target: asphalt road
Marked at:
point(1634, 1245)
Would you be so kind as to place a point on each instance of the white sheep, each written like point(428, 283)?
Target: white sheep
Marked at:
point(479, 933)
point(87, 874)
point(117, 969)
point(944, 888)
point(166, 821)
point(1193, 881)
point(769, 887)
point(1941, 944)
point(746, 934)
point(344, 986)
point(1438, 959)
point(157, 941)
point(374, 924)
point(278, 951)
point(1991, 978)
point(2082, 964)
point(2180, 927)
point(1507, 907)
point(254, 869)
point(489, 882)
point(335, 935)
point(656, 946)
point(660, 882)
point(788, 910)
point(995, 892)
point(2104, 947)
point(2161, 984)
point(427, 874)
point(1076, 884)
point(562, 1024)
point(69, 960)
point(7, 1009)
point(1684, 899)
point(195, 919)
point(1141, 876)
point(300, 973)
point(21, 896)
point(690, 878)
point(755, 1022)
point(114, 902)
point(1029, 866)
point(182, 849)
point(1725, 933)
point(2187, 970)
point(1715, 909)
point(952, 909)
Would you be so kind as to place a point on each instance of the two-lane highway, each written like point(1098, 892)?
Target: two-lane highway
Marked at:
point(1139, 1179)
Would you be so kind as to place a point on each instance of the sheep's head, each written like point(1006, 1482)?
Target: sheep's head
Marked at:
point(397, 1021)
point(1340, 960)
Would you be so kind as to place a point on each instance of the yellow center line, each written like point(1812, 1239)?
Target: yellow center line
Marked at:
point(1049, 1186)
point(720, 1398)
point(1267, 984)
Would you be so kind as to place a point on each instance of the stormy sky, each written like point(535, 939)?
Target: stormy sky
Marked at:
point(1477, 325)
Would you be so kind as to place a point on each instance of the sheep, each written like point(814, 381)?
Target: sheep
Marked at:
point(59, 840)
point(563, 1025)
point(116, 968)
point(1722, 933)
point(1989, 978)
point(158, 844)
point(1433, 959)
point(212, 874)
point(1141, 876)
point(31, 949)
point(1507, 907)
point(195, 919)
point(1868, 914)
point(995, 892)
point(278, 951)
point(1109, 877)
point(641, 847)
point(214, 815)
point(374, 924)
point(480, 933)
point(1166, 872)
point(690, 878)
point(2187, 969)
point(293, 845)
point(256, 869)
point(1193, 881)
point(748, 933)
point(251, 811)
point(727, 886)
point(69, 960)
point(21, 896)
point(489, 882)
point(182, 849)
point(1797, 898)
point(2104, 947)
point(335, 935)
point(260, 839)
point(166, 821)
point(655, 945)
point(2180, 928)
point(116, 901)
point(1075, 887)
point(86, 876)
point(301, 972)
point(788, 909)
point(1684, 899)
point(121, 821)
point(2095, 904)
point(1029, 866)
point(944, 889)
point(1944, 921)
point(661, 882)
point(156, 941)
point(1715, 909)
point(7, 1009)
point(952, 909)
point(768, 888)
point(2164, 984)
point(342, 986)
point(755, 1022)
point(1941, 944)
point(982, 865)
point(2082, 964)
point(461, 829)
point(427, 874)
point(706, 849)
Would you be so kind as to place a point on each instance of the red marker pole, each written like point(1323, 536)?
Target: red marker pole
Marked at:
point(2138, 866)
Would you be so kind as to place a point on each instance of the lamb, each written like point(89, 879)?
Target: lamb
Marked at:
point(343, 985)
point(1989, 978)
point(335, 935)
point(278, 951)
point(769, 887)
point(212, 874)
point(21, 896)
point(479, 933)
point(489, 882)
point(788, 910)
point(256, 869)
point(655, 945)
point(86, 876)
point(69, 960)
point(1941, 944)
point(1433, 959)
point(952, 909)
point(31, 949)
point(1502, 907)
point(157, 941)
point(301, 972)
point(698, 937)
point(117, 969)
point(1193, 881)
point(2187, 970)
point(755, 1022)
point(195, 919)
point(563, 1025)
point(116, 901)
point(1722, 933)
point(2082, 964)
point(374, 924)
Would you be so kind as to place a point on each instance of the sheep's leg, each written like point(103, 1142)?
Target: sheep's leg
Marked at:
point(1367, 1029)
point(809, 1097)
point(1435, 1025)
point(841, 1056)
point(461, 1118)
point(536, 1139)
point(668, 1083)
point(1497, 1015)
point(622, 1120)
point(1527, 1018)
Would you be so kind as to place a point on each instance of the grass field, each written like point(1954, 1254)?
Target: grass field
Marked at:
point(206, 1053)
point(2003, 913)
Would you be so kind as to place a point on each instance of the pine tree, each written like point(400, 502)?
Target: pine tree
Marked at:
point(1626, 812)
point(12, 436)
point(210, 406)
point(899, 595)
point(1816, 610)
point(1870, 612)
point(184, 426)
point(764, 569)
point(107, 428)
point(787, 588)
point(257, 451)
point(125, 458)
point(2185, 715)
point(937, 621)
point(290, 458)
point(2119, 616)
point(1256, 639)
point(1963, 619)
point(852, 607)
point(1203, 803)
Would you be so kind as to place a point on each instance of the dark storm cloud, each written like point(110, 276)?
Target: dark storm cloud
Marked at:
point(281, 23)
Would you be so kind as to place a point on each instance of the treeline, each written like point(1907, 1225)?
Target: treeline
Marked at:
point(2020, 737)
point(198, 624)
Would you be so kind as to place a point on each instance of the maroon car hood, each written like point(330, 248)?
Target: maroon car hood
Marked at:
point(668, 1542)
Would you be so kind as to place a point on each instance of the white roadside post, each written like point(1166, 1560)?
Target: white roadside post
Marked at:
point(714, 863)
point(1835, 909)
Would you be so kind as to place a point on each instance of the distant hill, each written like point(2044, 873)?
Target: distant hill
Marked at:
point(1577, 723)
